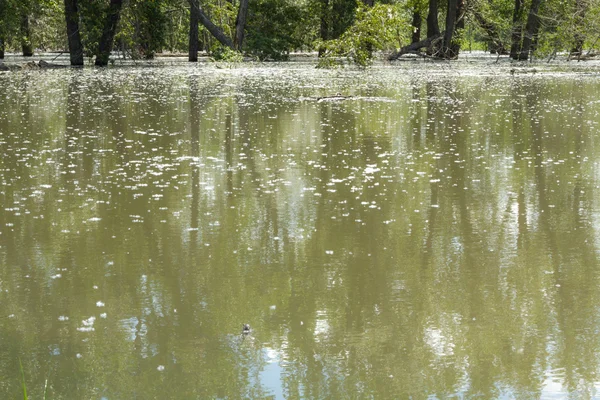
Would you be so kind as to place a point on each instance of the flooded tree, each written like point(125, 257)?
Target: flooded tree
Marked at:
point(581, 8)
point(193, 44)
point(452, 14)
point(240, 25)
point(108, 33)
point(515, 46)
point(213, 29)
point(73, 34)
point(373, 28)
point(234, 43)
point(323, 23)
point(531, 30)
point(148, 21)
point(433, 27)
point(2, 27)
point(26, 45)
point(416, 24)
point(492, 32)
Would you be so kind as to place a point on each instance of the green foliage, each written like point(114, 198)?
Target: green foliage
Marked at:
point(272, 29)
point(152, 22)
point(277, 27)
point(554, 33)
point(47, 25)
point(177, 17)
point(500, 14)
point(143, 28)
point(8, 20)
point(342, 14)
point(91, 16)
point(591, 29)
point(222, 53)
point(377, 28)
point(564, 24)
point(224, 15)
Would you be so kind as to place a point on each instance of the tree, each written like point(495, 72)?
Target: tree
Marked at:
point(375, 28)
point(26, 45)
point(2, 27)
point(454, 23)
point(11, 12)
point(531, 30)
point(144, 25)
point(336, 17)
point(416, 24)
point(193, 35)
point(240, 24)
point(492, 32)
point(213, 29)
point(451, 14)
point(517, 30)
point(108, 34)
point(342, 16)
point(324, 24)
point(273, 28)
point(73, 35)
point(581, 7)
point(433, 28)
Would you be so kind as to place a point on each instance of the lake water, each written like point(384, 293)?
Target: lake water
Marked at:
point(434, 234)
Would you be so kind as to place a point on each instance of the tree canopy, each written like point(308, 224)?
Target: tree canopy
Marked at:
point(271, 29)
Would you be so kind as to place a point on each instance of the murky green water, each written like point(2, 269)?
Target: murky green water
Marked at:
point(436, 234)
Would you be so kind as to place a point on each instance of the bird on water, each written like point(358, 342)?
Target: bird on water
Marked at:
point(246, 329)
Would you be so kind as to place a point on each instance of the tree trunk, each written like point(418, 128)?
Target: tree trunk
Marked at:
point(429, 42)
point(324, 27)
point(459, 25)
point(450, 21)
point(433, 28)
point(416, 24)
point(581, 7)
point(26, 36)
point(214, 30)
point(193, 38)
point(108, 34)
point(516, 36)
point(577, 49)
point(531, 29)
point(240, 24)
point(3, 10)
point(72, 19)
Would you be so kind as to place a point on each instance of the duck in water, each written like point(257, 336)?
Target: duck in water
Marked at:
point(246, 329)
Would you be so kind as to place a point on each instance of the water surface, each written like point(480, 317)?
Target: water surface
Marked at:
point(435, 234)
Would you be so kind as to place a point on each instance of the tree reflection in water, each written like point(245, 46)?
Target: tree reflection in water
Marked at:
point(429, 236)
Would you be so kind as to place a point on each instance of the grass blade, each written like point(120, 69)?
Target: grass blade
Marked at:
point(23, 380)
